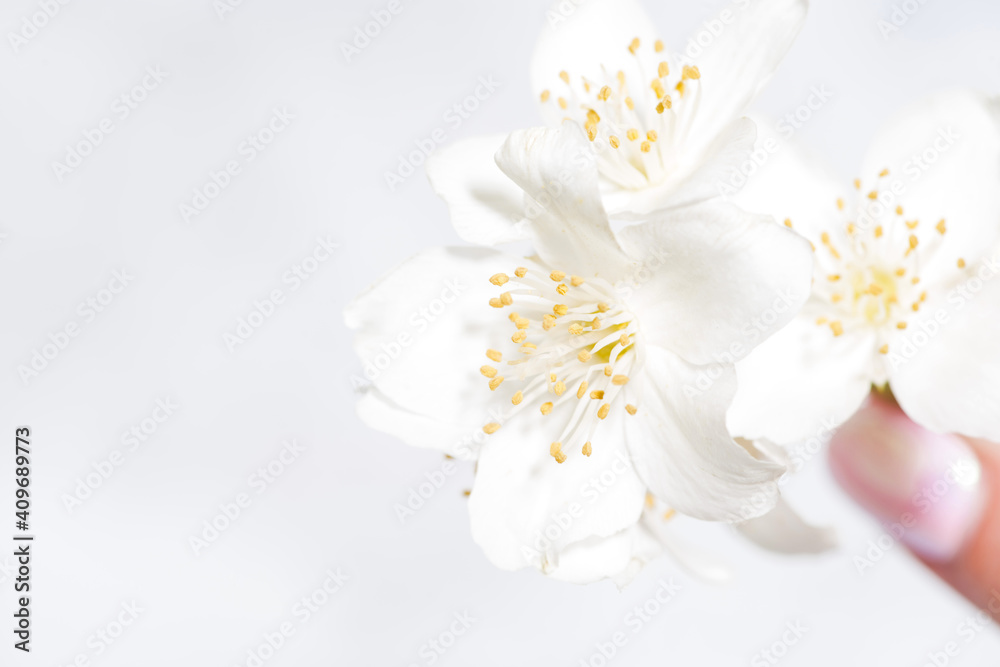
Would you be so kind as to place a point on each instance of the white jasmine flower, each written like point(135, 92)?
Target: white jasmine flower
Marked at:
point(574, 366)
point(905, 293)
point(663, 125)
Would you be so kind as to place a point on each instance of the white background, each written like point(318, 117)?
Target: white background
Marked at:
point(333, 507)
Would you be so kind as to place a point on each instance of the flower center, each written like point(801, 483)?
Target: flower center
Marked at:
point(637, 119)
point(574, 345)
point(869, 276)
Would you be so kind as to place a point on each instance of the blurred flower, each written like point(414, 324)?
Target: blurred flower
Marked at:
point(906, 295)
point(664, 128)
point(574, 376)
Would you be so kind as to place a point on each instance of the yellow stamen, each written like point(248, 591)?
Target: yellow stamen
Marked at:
point(631, 409)
point(837, 328)
point(582, 391)
point(517, 398)
point(488, 371)
point(491, 428)
point(520, 271)
point(583, 356)
point(546, 408)
point(619, 380)
point(499, 279)
point(597, 394)
point(560, 388)
point(603, 411)
point(587, 449)
point(496, 382)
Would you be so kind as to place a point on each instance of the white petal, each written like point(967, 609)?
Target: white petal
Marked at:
point(619, 557)
point(956, 136)
point(682, 450)
point(717, 280)
point(784, 531)
point(737, 64)
point(422, 333)
point(801, 381)
point(568, 222)
point(948, 378)
point(486, 207)
point(526, 509)
point(595, 35)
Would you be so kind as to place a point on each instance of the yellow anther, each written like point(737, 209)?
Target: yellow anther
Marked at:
point(491, 428)
point(851, 229)
point(899, 210)
point(488, 371)
point(629, 103)
point(597, 394)
point(560, 388)
point(833, 277)
point(873, 195)
point(546, 408)
point(520, 272)
point(912, 224)
point(603, 307)
point(555, 450)
point(645, 147)
point(553, 377)
point(613, 140)
point(563, 104)
point(634, 45)
point(519, 336)
point(592, 117)
point(883, 173)
point(658, 46)
point(496, 302)
point(560, 309)
point(576, 329)
point(901, 325)
point(495, 355)
point(496, 382)
point(915, 306)
point(900, 272)
point(690, 72)
point(587, 449)
point(564, 75)
point(857, 183)
point(632, 134)
point(840, 204)
point(499, 279)
point(788, 223)
point(666, 102)
point(821, 321)
point(592, 132)
point(650, 500)
point(517, 398)
point(506, 298)
point(608, 370)
point(545, 96)
point(669, 514)
point(663, 70)
point(522, 323)
point(878, 232)
point(631, 409)
point(658, 88)
point(913, 244)
point(583, 356)
point(837, 327)
point(548, 321)
point(575, 281)
point(652, 135)
point(884, 349)
point(582, 390)
point(604, 94)
point(619, 380)
point(595, 323)
point(623, 340)
point(603, 411)
point(961, 263)
point(837, 298)
point(562, 289)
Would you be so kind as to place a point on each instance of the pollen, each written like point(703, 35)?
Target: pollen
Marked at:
point(496, 302)
point(495, 355)
point(555, 450)
point(624, 341)
point(548, 321)
point(873, 195)
point(564, 75)
point(546, 408)
point(857, 183)
point(961, 263)
point(545, 96)
point(603, 411)
point(619, 380)
point(582, 391)
point(520, 272)
point(560, 309)
point(519, 336)
point(517, 398)
point(941, 226)
point(878, 232)
point(690, 72)
point(575, 281)
point(595, 324)
point(883, 173)
point(614, 141)
point(837, 328)
point(499, 279)
point(632, 134)
point(560, 388)
point(788, 223)
point(563, 104)
point(506, 298)
point(597, 394)
point(840, 204)
point(645, 147)
point(884, 349)
point(562, 289)
point(652, 135)
point(603, 307)
point(587, 449)
point(604, 94)
point(488, 371)
point(491, 428)
point(583, 356)
point(496, 382)
point(576, 329)
point(901, 325)
point(634, 45)
point(608, 370)
point(663, 69)
point(631, 409)
point(658, 46)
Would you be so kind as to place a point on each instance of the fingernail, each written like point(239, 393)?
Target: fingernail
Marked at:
point(924, 487)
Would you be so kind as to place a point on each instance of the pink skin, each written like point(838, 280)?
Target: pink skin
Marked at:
point(925, 485)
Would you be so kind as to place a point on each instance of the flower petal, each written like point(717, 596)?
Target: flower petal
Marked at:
point(714, 280)
point(486, 207)
point(568, 222)
point(782, 530)
point(421, 334)
point(802, 381)
point(526, 509)
point(682, 450)
point(945, 153)
point(946, 377)
point(737, 64)
point(593, 38)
